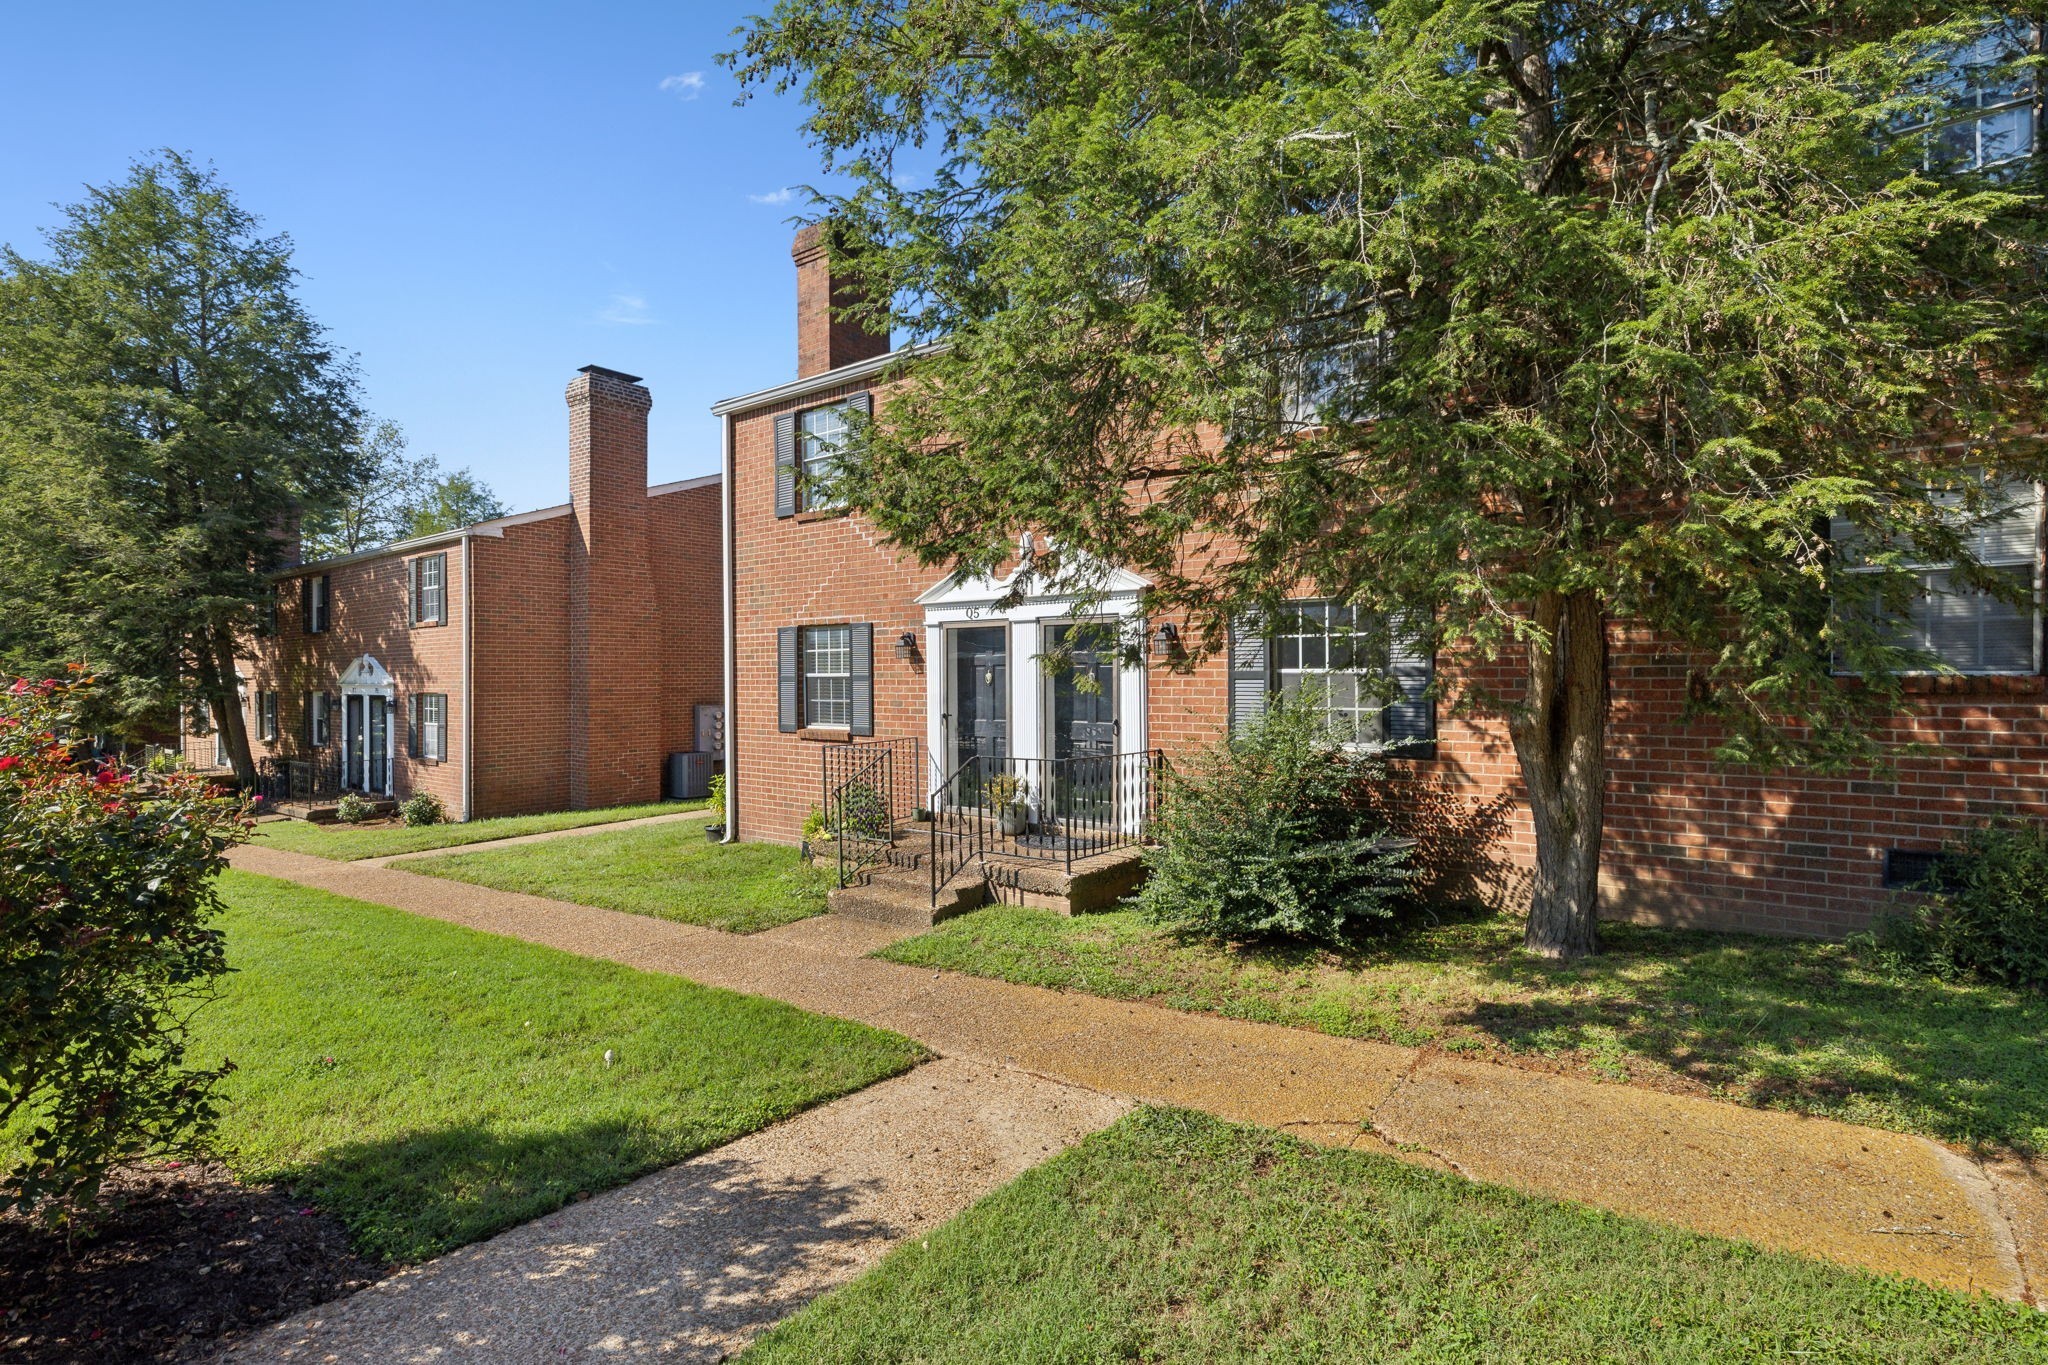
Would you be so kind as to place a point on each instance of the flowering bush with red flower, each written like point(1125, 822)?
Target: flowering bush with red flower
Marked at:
point(107, 883)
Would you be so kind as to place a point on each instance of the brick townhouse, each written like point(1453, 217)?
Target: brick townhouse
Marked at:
point(542, 661)
point(839, 647)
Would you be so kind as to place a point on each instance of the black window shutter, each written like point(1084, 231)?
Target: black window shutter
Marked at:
point(412, 726)
point(412, 591)
point(1411, 664)
point(786, 718)
point(861, 663)
point(306, 605)
point(785, 465)
point(1249, 677)
point(306, 700)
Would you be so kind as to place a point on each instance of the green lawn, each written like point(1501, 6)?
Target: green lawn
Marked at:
point(348, 842)
point(1176, 1237)
point(1776, 1022)
point(668, 871)
point(430, 1085)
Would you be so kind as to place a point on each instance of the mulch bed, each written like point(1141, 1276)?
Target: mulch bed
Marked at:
point(186, 1259)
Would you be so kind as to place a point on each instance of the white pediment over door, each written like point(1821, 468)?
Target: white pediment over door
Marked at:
point(366, 675)
point(1086, 578)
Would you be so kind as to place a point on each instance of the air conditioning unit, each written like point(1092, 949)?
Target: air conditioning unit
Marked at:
point(689, 776)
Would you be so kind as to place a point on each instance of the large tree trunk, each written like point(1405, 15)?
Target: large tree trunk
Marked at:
point(217, 682)
point(1560, 740)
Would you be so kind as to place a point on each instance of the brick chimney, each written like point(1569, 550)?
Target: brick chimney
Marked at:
point(614, 667)
point(824, 342)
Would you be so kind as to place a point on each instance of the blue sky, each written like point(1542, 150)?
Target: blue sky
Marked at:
point(483, 196)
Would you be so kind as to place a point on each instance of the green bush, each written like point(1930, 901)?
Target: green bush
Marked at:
point(1984, 914)
point(105, 893)
point(715, 793)
point(1268, 835)
point(351, 809)
point(422, 808)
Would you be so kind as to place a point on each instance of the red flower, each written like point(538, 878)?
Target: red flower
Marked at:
point(11, 761)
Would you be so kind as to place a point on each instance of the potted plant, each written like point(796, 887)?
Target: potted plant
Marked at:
point(1008, 796)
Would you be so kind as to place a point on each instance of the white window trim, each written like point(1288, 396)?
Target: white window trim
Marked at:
point(1924, 570)
point(805, 674)
point(806, 499)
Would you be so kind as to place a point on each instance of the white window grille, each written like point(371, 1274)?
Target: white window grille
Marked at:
point(828, 675)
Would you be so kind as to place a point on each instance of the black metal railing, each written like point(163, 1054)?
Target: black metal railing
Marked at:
point(958, 836)
point(860, 811)
point(314, 778)
point(1063, 810)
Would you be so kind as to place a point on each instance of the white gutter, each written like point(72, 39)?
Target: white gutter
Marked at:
point(731, 615)
point(845, 374)
point(468, 686)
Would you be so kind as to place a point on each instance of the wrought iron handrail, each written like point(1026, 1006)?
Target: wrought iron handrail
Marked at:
point(858, 810)
point(1070, 809)
point(957, 831)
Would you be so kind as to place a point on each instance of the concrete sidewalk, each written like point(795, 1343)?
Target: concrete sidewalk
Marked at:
point(1861, 1196)
point(545, 836)
point(690, 1263)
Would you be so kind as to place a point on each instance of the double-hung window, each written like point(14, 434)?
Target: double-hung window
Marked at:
point(429, 727)
point(1967, 629)
point(1991, 114)
point(828, 676)
point(810, 452)
point(314, 597)
point(821, 435)
point(1372, 679)
point(429, 579)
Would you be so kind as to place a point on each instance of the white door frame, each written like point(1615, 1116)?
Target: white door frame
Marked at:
point(954, 602)
point(367, 678)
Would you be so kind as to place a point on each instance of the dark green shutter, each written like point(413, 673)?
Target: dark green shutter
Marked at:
point(1249, 675)
point(785, 465)
point(861, 686)
point(1411, 664)
point(786, 680)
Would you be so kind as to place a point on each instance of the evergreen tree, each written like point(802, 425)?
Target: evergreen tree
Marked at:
point(168, 413)
point(1525, 321)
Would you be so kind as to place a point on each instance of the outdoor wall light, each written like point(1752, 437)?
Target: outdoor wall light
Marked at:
point(1166, 641)
point(906, 646)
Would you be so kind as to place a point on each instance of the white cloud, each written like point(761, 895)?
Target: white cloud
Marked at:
point(687, 86)
point(626, 310)
point(781, 196)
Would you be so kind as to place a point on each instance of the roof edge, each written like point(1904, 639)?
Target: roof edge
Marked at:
point(797, 388)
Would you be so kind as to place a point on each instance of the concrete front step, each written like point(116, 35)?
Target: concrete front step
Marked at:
point(902, 897)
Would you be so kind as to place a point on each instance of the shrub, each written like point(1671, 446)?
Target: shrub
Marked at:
point(351, 809)
point(107, 888)
point(423, 808)
point(814, 825)
point(1984, 913)
point(1268, 835)
point(715, 792)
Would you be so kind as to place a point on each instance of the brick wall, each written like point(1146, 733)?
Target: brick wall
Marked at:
point(683, 528)
point(1689, 841)
point(369, 614)
point(522, 669)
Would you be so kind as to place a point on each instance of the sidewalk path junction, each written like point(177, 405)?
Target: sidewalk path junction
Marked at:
point(1885, 1201)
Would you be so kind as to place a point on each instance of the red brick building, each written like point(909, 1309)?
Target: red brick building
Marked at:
point(542, 661)
point(836, 640)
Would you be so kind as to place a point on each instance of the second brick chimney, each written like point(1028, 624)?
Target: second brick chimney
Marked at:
point(825, 342)
point(614, 666)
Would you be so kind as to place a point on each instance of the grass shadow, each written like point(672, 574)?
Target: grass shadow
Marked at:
point(695, 1256)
